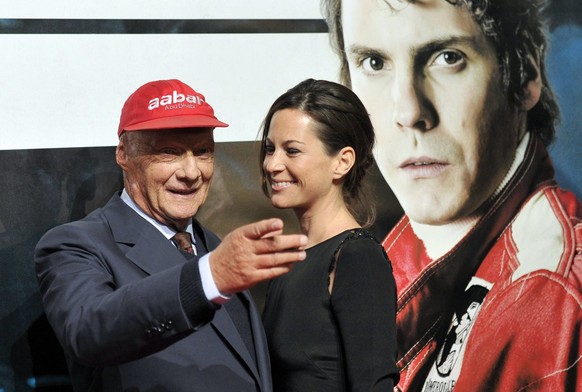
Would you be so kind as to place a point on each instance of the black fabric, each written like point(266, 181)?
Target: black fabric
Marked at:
point(192, 296)
point(199, 239)
point(339, 342)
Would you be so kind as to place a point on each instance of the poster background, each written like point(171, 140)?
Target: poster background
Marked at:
point(66, 68)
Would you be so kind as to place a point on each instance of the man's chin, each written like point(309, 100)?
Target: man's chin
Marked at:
point(181, 216)
point(428, 216)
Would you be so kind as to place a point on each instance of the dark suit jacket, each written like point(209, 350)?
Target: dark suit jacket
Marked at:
point(111, 289)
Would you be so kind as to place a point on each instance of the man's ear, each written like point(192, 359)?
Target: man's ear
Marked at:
point(121, 154)
point(345, 161)
point(532, 90)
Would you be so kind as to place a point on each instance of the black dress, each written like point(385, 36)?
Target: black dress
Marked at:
point(345, 341)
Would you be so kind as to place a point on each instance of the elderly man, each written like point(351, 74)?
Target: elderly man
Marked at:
point(141, 296)
point(487, 258)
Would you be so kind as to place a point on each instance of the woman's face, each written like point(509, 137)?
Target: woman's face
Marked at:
point(297, 166)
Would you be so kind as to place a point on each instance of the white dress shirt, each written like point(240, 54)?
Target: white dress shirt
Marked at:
point(210, 290)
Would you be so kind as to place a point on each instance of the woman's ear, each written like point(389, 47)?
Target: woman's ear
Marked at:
point(344, 163)
point(532, 90)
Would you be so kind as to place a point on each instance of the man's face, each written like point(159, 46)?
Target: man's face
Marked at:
point(168, 173)
point(429, 78)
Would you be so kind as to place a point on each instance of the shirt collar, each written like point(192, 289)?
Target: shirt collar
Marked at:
point(167, 231)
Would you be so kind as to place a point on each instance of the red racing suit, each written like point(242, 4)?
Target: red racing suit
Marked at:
point(526, 334)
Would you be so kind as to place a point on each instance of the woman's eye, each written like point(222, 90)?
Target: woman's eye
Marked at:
point(269, 150)
point(293, 151)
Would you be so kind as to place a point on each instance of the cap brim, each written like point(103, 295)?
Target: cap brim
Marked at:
point(186, 121)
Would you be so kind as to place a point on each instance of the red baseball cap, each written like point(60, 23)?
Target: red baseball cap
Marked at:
point(166, 104)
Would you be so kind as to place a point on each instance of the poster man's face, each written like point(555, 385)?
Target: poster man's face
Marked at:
point(429, 78)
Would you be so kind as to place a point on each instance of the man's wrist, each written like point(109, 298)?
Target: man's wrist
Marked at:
point(208, 285)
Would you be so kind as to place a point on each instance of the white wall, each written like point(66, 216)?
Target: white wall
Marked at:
point(64, 90)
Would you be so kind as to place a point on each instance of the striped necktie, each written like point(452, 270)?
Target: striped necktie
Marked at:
point(183, 241)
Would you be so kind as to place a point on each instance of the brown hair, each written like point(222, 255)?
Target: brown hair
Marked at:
point(342, 121)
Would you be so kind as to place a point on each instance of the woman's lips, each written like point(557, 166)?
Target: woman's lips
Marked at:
point(280, 185)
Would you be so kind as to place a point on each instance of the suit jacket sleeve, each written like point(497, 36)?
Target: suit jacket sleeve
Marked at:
point(111, 302)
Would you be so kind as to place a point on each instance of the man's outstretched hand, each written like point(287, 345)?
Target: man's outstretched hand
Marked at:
point(254, 253)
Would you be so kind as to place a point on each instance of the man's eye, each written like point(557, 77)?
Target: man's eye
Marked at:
point(448, 58)
point(204, 152)
point(169, 151)
point(373, 64)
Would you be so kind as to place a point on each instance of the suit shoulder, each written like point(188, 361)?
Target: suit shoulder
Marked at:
point(94, 225)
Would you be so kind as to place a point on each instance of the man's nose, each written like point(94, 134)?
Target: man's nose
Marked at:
point(189, 168)
point(412, 107)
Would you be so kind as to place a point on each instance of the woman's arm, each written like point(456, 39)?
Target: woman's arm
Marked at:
point(363, 300)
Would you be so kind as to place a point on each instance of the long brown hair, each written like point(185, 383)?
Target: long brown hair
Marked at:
point(342, 121)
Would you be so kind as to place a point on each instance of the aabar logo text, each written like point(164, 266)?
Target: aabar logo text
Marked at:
point(174, 99)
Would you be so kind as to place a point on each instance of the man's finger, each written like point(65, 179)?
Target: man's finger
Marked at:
point(271, 273)
point(280, 243)
point(264, 228)
point(279, 259)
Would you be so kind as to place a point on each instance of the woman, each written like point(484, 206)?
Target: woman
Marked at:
point(330, 321)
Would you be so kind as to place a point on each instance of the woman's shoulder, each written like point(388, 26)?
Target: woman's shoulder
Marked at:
point(359, 247)
point(359, 239)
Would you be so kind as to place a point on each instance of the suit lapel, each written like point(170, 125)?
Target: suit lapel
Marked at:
point(261, 349)
point(222, 321)
point(224, 326)
point(154, 253)
point(148, 248)
point(203, 236)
